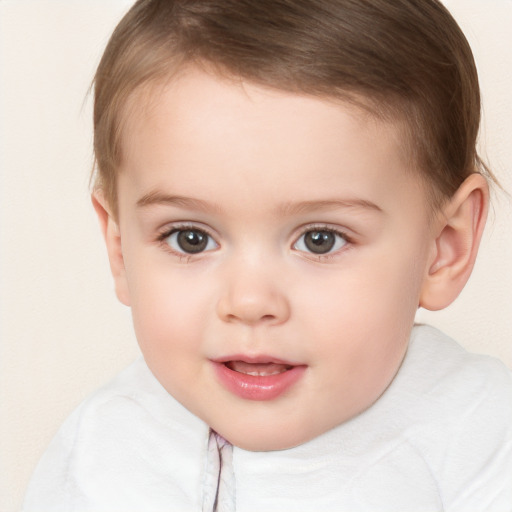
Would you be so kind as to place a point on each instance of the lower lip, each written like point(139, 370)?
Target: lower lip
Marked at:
point(258, 387)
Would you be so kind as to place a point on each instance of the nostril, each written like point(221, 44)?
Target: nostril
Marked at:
point(249, 318)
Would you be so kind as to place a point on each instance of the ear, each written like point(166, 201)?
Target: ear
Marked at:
point(112, 236)
point(457, 235)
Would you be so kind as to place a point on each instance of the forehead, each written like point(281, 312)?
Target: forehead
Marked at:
point(199, 123)
point(193, 93)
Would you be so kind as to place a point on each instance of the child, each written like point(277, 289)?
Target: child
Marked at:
point(281, 185)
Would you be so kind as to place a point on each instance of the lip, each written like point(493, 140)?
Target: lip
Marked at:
point(257, 387)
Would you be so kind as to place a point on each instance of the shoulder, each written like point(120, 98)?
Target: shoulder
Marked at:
point(447, 375)
point(122, 441)
point(132, 399)
point(464, 401)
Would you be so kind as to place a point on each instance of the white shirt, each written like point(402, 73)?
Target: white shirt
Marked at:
point(438, 439)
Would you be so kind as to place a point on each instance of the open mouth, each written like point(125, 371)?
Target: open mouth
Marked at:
point(259, 378)
point(257, 369)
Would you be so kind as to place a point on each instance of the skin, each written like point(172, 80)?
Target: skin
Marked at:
point(256, 169)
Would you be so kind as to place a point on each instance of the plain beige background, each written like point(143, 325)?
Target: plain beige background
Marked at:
point(62, 332)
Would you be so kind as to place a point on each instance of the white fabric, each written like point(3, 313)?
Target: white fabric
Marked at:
point(439, 439)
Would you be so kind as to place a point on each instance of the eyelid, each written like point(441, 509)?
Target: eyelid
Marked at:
point(325, 226)
point(168, 228)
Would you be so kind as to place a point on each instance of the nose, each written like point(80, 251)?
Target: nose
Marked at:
point(253, 296)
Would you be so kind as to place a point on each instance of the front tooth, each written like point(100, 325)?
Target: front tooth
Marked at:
point(262, 374)
point(257, 369)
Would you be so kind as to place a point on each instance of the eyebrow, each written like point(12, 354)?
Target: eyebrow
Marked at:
point(327, 204)
point(158, 198)
point(286, 209)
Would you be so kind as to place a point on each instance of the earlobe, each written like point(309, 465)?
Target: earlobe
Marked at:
point(112, 236)
point(455, 245)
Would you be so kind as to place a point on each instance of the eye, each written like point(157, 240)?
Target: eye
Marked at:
point(190, 241)
point(320, 241)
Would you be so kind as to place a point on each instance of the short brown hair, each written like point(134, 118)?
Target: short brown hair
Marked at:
point(407, 58)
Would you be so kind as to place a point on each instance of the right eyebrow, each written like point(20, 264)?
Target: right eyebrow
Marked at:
point(159, 198)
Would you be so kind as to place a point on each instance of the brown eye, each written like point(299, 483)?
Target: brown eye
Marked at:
point(190, 241)
point(320, 241)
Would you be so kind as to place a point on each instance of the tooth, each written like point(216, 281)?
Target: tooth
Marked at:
point(262, 374)
point(257, 369)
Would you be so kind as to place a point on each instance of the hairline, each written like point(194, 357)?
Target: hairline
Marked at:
point(379, 107)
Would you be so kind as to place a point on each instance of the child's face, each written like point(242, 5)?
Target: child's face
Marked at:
point(274, 252)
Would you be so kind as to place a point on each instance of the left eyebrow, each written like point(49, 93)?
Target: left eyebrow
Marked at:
point(327, 204)
point(189, 203)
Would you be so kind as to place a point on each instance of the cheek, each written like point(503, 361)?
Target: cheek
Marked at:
point(168, 309)
point(365, 295)
point(366, 311)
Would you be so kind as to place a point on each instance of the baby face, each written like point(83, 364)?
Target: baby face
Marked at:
point(274, 248)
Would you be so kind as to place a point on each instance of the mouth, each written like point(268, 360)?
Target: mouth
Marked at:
point(257, 369)
point(260, 378)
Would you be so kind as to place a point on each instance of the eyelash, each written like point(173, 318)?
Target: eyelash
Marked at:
point(324, 229)
point(183, 256)
point(164, 235)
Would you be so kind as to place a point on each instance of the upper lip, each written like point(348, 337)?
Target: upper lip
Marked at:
point(255, 359)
